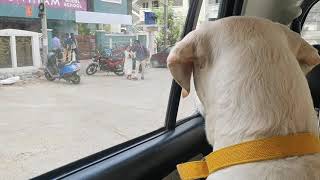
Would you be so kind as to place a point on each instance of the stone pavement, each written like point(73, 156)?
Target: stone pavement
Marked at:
point(45, 125)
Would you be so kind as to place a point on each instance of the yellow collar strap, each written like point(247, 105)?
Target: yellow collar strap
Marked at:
point(251, 151)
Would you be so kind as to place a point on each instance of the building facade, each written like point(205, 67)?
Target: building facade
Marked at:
point(63, 16)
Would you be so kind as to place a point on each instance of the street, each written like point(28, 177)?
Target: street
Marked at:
point(45, 125)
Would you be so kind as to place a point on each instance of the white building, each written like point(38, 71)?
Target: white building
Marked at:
point(208, 11)
point(19, 51)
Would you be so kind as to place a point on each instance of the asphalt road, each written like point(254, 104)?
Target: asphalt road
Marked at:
point(45, 125)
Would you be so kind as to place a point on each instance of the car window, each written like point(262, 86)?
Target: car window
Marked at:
point(95, 88)
point(190, 104)
point(311, 27)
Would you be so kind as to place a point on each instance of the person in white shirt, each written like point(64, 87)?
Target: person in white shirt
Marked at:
point(128, 62)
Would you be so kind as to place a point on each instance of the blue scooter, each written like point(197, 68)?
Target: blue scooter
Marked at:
point(64, 70)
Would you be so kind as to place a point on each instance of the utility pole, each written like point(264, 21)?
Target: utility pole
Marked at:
point(43, 16)
point(165, 26)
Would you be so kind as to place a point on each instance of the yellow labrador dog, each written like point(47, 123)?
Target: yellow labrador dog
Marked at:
point(247, 76)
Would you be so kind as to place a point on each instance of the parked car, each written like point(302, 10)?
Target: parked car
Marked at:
point(160, 59)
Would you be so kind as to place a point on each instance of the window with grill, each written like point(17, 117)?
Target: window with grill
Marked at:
point(5, 53)
point(24, 51)
point(155, 3)
point(145, 5)
point(178, 3)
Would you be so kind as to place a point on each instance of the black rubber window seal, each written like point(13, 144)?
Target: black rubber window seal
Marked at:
point(174, 97)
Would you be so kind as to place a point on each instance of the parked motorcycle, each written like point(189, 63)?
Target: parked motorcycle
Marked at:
point(63, 70)
point(106, 63)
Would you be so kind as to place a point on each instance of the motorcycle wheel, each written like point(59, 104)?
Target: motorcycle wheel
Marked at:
point(119, 73)
point(91, 69)
point(75, 79)
point(120, 70)
point(48, 76)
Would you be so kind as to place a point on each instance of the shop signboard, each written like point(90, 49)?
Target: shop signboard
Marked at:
point(80, 5)
point(150, 18)
point(28, 10)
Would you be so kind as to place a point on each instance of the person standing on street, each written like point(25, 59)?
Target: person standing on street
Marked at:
point(74, 48)
point(57, 49)
point(67, 47)
point(141, 56)
point(57, 46)
point(56, 43)
point(128, 62)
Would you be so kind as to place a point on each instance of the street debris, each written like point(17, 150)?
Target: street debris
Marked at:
point(10, 81)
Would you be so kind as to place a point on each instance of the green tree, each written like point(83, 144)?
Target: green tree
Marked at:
point(173, 29)
point(83, 29)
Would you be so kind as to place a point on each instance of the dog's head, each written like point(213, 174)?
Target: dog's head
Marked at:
point(195, 53)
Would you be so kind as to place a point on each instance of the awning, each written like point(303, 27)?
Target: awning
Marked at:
point(102, 18)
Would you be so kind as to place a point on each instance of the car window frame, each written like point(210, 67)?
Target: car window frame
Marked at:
point(175, 91)
point(174, 100)
point(298, 23)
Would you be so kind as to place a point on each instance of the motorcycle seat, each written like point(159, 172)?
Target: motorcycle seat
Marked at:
point(66, 63)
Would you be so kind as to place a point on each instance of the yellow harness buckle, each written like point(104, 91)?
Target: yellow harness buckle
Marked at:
point(252, 151)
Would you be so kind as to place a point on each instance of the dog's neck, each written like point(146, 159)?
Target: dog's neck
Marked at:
point(230, 122)
point(238, 130)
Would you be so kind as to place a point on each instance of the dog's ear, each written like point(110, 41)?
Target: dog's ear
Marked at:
point(180, 61)
point(307, 54)
point(304, 52)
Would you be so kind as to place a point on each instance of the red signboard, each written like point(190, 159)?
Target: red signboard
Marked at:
point(80, 5)
point(28, 10)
